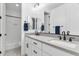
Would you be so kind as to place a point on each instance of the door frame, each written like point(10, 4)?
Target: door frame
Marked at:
point(46, 23)
point(2, 29)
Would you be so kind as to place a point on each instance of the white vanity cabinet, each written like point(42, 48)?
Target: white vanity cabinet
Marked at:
point(32, 47)
point(36, 48)
point(52, 51)
point(27, 47)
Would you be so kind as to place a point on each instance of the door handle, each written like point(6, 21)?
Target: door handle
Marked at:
point(0, 35)
point(0, 17)
point(0, 52)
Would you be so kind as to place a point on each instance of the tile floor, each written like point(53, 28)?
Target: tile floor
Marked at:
point(14, 52)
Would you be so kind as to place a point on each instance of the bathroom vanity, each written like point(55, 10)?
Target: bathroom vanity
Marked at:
point(37, 45)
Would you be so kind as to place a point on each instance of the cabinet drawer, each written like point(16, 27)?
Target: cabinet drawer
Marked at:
point(36, 51)
point(36, 43)
point(54, 51)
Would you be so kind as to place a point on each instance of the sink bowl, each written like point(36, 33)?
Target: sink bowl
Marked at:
point(64, 44)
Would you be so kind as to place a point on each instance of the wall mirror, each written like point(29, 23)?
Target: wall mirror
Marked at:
point(67, 17)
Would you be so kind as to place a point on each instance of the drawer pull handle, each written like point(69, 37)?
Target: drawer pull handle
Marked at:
point(0, 52)
point(34, 51)
point(0, 35)
point(0, 17)
point(35, 43)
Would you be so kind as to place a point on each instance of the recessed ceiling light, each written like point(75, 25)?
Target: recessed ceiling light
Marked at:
point(17, 5)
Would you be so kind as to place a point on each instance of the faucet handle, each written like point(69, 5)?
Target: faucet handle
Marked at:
point(70, 39)
point(63, 32)
point(60, 37)
point(68, 32)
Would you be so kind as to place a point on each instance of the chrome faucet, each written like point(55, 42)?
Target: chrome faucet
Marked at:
point(64, 35)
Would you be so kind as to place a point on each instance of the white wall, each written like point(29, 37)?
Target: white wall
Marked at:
point(66, 15)
point(13, 10)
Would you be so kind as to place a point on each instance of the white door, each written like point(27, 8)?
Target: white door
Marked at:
point(13, 32)
point(2, 29)
point(47, 22)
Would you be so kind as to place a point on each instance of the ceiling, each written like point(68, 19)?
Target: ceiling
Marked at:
point(48, 6)
point(51, 6)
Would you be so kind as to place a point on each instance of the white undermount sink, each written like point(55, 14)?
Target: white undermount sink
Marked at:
point(62, 43)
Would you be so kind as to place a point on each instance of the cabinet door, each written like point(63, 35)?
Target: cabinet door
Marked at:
point(55, 51)
point(45, 54)
point(13, 30)
point(32, 47)
point(27, 47)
